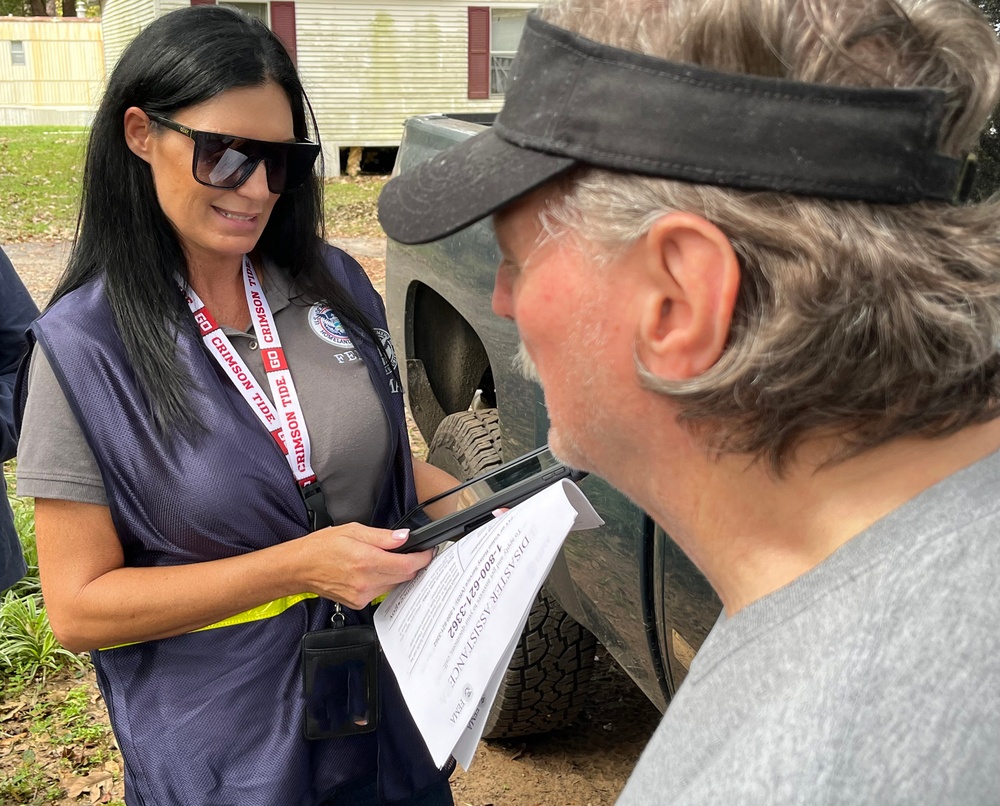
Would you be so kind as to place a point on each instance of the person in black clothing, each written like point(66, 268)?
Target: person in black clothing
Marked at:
point(16, 314)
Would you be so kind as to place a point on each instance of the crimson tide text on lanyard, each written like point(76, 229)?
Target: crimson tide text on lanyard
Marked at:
point(287, 425)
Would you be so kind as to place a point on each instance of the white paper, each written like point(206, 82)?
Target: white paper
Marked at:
point(450, 633)
point(466, 746)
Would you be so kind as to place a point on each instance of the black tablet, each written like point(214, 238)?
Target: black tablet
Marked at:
point(471, 504)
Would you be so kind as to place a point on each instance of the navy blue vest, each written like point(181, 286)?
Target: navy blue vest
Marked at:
point(215, 717)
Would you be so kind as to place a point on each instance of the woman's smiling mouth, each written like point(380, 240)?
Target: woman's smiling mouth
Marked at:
point(236, 216)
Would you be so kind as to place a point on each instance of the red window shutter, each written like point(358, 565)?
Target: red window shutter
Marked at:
point(479, 52)
point(202, 2)
point(283, 25)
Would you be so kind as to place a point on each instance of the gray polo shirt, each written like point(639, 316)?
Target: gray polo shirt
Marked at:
point(347, 424)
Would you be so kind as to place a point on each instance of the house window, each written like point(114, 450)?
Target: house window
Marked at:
point(17, 53)
point(506, 26)
point(278, 15)
point(494, 34)
point(256, 10)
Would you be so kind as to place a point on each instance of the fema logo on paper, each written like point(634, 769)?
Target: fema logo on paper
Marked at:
point(326, 324)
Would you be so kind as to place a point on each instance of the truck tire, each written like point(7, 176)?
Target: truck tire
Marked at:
point(548, 680)
point(467, 443)
point(547, 683)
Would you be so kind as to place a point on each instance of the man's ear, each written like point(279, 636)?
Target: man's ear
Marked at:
point(137, 132)
point(692, 278)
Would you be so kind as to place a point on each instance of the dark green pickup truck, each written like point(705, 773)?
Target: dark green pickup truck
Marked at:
point(626, 585)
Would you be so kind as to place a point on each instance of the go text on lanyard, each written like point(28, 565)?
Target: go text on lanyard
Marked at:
point(287, 426)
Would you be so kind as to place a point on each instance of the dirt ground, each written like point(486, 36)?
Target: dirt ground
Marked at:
point(585, 765)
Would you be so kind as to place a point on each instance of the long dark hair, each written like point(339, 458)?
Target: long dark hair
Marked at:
point(181, 59)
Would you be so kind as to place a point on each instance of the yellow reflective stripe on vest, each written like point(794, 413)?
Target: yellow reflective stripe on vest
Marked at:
point(259, 613)
point(267, 610)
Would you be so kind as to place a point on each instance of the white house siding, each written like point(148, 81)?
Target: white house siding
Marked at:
point(124, 19)
point(369, 65)
point(61, 79)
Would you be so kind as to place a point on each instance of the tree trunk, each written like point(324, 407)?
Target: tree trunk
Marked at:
point(69, 8)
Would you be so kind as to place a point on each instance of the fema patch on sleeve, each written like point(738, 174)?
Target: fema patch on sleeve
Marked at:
point(389, 360)
point(327, 325)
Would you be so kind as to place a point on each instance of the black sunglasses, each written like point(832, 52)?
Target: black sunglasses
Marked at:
point(227, 161)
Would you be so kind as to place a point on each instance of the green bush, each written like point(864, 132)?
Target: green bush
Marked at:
point(28, 649)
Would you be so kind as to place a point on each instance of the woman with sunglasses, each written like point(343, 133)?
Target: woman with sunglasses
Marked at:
point(211, 413)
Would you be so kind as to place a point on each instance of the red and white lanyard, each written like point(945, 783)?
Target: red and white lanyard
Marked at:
point(287, 426)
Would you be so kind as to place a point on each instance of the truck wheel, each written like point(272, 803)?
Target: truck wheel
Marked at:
point(548, 680)
point(466, 443)
point(546, 685)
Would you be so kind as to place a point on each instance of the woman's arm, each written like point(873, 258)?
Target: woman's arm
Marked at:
point(94, 601)
point(430, 481)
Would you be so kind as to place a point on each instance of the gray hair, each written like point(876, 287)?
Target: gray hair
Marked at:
point(859, 320)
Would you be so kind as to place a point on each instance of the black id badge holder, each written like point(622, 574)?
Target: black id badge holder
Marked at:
point(340, 679)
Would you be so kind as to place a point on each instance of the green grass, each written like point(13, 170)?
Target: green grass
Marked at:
point(41, 169)
point(350, 206)
point(29, 784)
point(69, 725)
point(67, 743)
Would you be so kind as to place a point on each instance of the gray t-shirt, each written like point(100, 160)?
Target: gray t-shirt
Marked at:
point(872, 679)
point(346, 421)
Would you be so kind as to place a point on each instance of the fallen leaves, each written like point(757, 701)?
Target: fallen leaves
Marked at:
point(56, 746)
point(97, 785)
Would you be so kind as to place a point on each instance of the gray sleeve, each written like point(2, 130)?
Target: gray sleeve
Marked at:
point(54, 459)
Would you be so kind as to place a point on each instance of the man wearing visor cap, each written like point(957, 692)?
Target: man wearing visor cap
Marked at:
point(738, 247)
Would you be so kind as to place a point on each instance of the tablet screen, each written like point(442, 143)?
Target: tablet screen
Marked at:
point(533, 465)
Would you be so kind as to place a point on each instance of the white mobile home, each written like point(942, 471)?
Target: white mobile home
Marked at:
point(369, 65)
point(51, 70)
